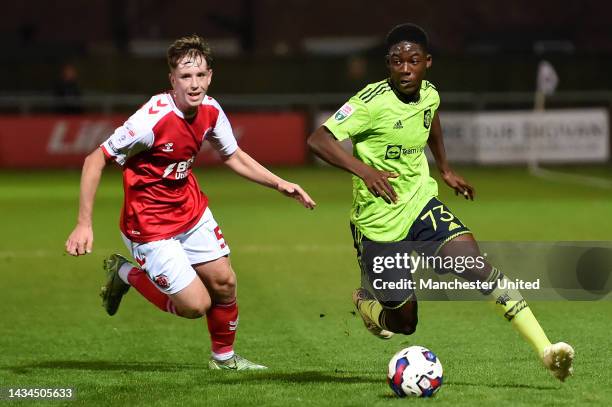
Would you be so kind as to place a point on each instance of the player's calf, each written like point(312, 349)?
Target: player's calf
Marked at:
point(511, 304)
point(402, 320)
point(222, 321)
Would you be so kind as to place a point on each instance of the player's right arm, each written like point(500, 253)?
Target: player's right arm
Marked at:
point(323, 143)
point(133, 137)
point(80, 241)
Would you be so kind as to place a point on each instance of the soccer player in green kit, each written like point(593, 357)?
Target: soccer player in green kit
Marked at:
point(394, 198)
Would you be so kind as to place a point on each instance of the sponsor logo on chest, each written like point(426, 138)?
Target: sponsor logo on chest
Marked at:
point(395, 151)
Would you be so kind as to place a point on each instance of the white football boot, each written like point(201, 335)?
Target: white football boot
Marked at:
point(558, 358)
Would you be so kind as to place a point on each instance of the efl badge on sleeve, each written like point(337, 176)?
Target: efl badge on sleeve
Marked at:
point(345, 111)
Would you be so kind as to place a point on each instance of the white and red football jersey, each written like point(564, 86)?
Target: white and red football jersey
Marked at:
point(156, 148)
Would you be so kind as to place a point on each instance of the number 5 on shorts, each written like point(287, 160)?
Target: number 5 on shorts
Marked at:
point(220, 238)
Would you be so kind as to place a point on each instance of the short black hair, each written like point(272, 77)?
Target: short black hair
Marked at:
point(407, 32)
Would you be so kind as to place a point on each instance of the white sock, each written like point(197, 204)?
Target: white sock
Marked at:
point(123, 272)
point(222, 356)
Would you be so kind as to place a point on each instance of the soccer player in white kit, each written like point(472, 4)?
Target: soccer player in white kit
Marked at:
point(166, 224)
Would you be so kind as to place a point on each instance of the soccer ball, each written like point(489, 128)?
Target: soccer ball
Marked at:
point(415, 371)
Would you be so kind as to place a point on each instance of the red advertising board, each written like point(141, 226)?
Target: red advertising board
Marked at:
point(63, 141)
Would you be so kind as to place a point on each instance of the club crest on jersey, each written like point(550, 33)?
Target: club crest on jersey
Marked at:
point(162, 281)
point(168, 148)
point(427, 118)
point(345, 111)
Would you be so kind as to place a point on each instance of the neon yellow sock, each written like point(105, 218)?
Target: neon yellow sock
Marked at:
point(515, 309)
point(373, 310)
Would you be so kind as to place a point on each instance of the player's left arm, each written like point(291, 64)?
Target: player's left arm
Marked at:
point(247, 167)
point(452, 179)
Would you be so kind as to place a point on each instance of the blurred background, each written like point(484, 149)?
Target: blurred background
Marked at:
point(73, 71)
point(526, 91)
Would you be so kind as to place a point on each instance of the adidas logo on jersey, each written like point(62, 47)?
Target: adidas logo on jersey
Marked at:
point(398, 125)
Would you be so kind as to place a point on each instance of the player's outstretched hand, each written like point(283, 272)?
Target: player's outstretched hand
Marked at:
point(378, 184)
point(456, 182)
point(296, 192)
point(80, 241)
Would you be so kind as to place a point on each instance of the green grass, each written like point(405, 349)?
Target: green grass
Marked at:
point(296, 270)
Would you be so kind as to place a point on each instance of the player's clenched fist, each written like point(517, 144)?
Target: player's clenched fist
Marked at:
point(80, 241)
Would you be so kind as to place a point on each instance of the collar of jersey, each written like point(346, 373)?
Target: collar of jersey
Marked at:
point(175, 109)
point(398, 93)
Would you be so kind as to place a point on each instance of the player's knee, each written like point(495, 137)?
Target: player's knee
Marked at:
point(195, 310)
point(225, 285)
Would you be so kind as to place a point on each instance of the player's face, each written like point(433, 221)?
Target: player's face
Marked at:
point(407, 63)
point(190, 80)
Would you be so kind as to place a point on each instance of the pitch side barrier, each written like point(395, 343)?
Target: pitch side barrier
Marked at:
point(521, 136)
point(278, 138)
point(576, 271)
point(47, 141)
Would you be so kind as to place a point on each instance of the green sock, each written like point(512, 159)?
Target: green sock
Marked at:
point(513, 306)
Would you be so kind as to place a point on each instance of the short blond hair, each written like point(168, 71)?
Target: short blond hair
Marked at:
point(191, 46)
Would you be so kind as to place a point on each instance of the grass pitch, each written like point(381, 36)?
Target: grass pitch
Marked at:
point(296, 271)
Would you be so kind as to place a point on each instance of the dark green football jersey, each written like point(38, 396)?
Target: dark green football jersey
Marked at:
point(389, 134)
